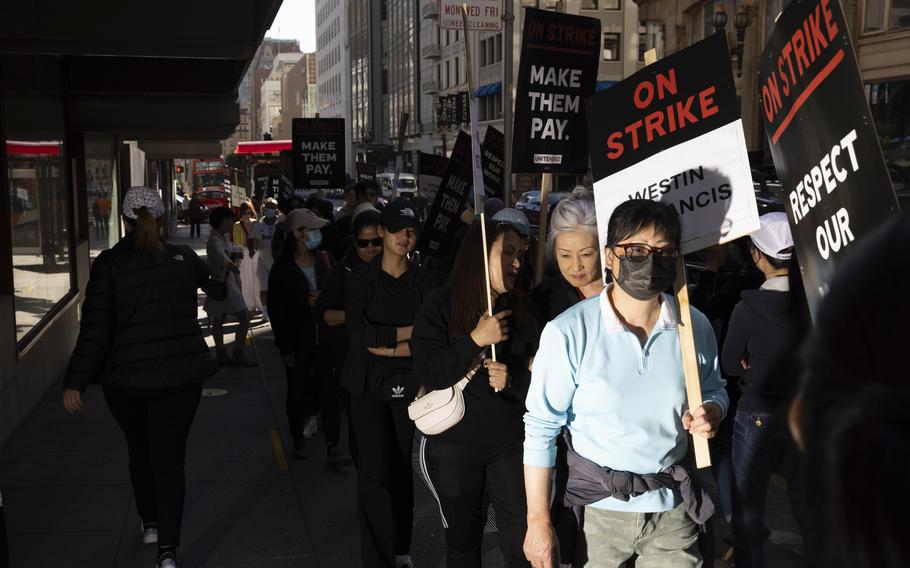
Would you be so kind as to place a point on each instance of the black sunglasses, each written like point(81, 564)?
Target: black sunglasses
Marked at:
point(639, 252)
point(364, 243)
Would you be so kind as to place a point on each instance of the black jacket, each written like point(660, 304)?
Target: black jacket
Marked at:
point(293, 320)
point(553, 296)
point(375, 305)
point(332, 298)
point(140, 326)
point(441, 359)
point(765, 331)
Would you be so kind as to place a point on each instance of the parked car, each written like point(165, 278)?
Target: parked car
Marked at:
point(529, 204)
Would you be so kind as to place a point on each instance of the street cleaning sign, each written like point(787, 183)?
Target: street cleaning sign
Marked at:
point(822, 138)
point(558, 71)
point(672, 133)
point(318, 153)
point(483, 15)
point(443, 220)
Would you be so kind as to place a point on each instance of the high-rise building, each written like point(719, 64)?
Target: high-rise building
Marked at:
point(270, 100)
point(402, 68)
point(369, 79)
point(298, 88)
point(333, 66)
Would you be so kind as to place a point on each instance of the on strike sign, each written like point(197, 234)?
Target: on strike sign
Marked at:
point(558, 71)
point(483, 15)
point(672, 133)
point(822, 138)
point(318, 152)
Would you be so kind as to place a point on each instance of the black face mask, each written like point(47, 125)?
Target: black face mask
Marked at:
point(644, 280)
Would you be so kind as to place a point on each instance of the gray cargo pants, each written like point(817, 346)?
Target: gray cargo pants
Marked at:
point(660, 540)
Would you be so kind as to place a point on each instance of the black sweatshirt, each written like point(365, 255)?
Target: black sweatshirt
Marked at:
point(441, 359)
point(376, 304)
point(552, 297)
point(332, 298)
point(765, 331)
point(292, 318)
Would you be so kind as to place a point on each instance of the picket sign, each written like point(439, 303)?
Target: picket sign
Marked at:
point(687, 339)
point(546, 183)
point(479, 193)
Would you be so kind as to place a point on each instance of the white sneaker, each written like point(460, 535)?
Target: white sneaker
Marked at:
point(311, 427)
point(168, 563)
point(404, 561)
point(149, 533)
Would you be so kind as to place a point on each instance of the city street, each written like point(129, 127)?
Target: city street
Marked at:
point(68, 502)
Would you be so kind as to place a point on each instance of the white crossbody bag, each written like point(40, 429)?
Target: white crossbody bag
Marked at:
point(438, 410)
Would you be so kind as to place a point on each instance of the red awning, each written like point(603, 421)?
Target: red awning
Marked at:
point(262, 147)
point(22, 148)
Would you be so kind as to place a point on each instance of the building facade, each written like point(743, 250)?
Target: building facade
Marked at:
point(333, 66)
point(881, 35)
point(369, 80)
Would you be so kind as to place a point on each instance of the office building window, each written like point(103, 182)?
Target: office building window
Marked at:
point(611, 46)
point(610, 4)
point(650, 36)
point(588, 4)
point(39, 189)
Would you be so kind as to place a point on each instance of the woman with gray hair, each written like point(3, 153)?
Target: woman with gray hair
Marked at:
point(573, 245)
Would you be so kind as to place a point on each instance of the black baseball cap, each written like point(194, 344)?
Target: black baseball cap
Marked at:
point(398, 215)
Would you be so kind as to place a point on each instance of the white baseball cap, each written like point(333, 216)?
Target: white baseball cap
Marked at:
point(304, 218)
point(774, 238)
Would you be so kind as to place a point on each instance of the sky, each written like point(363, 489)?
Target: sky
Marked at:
point(296, 19)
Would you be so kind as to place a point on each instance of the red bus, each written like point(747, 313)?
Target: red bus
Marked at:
point(208, 183)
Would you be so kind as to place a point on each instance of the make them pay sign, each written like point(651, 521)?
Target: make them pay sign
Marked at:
point(318, 157)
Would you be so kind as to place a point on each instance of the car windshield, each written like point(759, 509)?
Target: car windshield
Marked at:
point(406, 182)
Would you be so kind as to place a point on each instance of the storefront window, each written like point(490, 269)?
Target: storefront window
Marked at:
point(101, 193)
point(40, 208)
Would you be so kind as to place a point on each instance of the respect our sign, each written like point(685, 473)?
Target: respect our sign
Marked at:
point(822, 138)
point(318, 153)
point(483, 15)
point(672, 133)
point(558, 71)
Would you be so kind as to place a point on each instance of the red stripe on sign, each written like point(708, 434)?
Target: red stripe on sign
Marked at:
point(810, 88)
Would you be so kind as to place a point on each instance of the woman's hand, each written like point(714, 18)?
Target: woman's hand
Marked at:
point(235, 268)
point(540, 547)
point(491, 330)
point(72, 401)
point(499, 374)
point(312, 297)
point(289, 360)
point(704, 420)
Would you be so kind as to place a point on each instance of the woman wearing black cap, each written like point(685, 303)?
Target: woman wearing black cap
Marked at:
point(295, 281)
point(381, 301)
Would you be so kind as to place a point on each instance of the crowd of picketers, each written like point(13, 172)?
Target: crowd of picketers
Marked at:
point(575, 427)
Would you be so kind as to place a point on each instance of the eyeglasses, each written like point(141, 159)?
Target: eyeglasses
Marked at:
point(364, 243)
point(638, 252)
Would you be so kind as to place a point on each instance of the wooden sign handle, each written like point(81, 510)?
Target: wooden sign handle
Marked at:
point(546, 183)
point(690, 360)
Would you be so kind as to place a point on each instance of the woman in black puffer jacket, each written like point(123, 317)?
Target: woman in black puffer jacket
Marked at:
point(140, 339)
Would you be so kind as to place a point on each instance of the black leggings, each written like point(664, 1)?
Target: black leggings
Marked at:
point(313, 386)
point(385, 481)
point(4, 543)
point(465, 477)
point(156, 423)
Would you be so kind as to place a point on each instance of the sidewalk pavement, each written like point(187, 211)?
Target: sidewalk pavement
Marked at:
point(68, 501)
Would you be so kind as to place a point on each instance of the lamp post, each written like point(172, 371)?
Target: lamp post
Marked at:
point(740, 22)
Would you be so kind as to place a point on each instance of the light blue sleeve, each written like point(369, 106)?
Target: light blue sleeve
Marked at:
point(712, 384)
point(549, 397)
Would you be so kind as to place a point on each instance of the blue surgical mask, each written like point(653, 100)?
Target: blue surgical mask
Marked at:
point(270, 213)
point(313, 239)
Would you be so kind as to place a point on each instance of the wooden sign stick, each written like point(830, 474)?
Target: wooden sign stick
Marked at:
point(687, 340)
point(689, 359)
point(546, 182)
point(478, 176)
